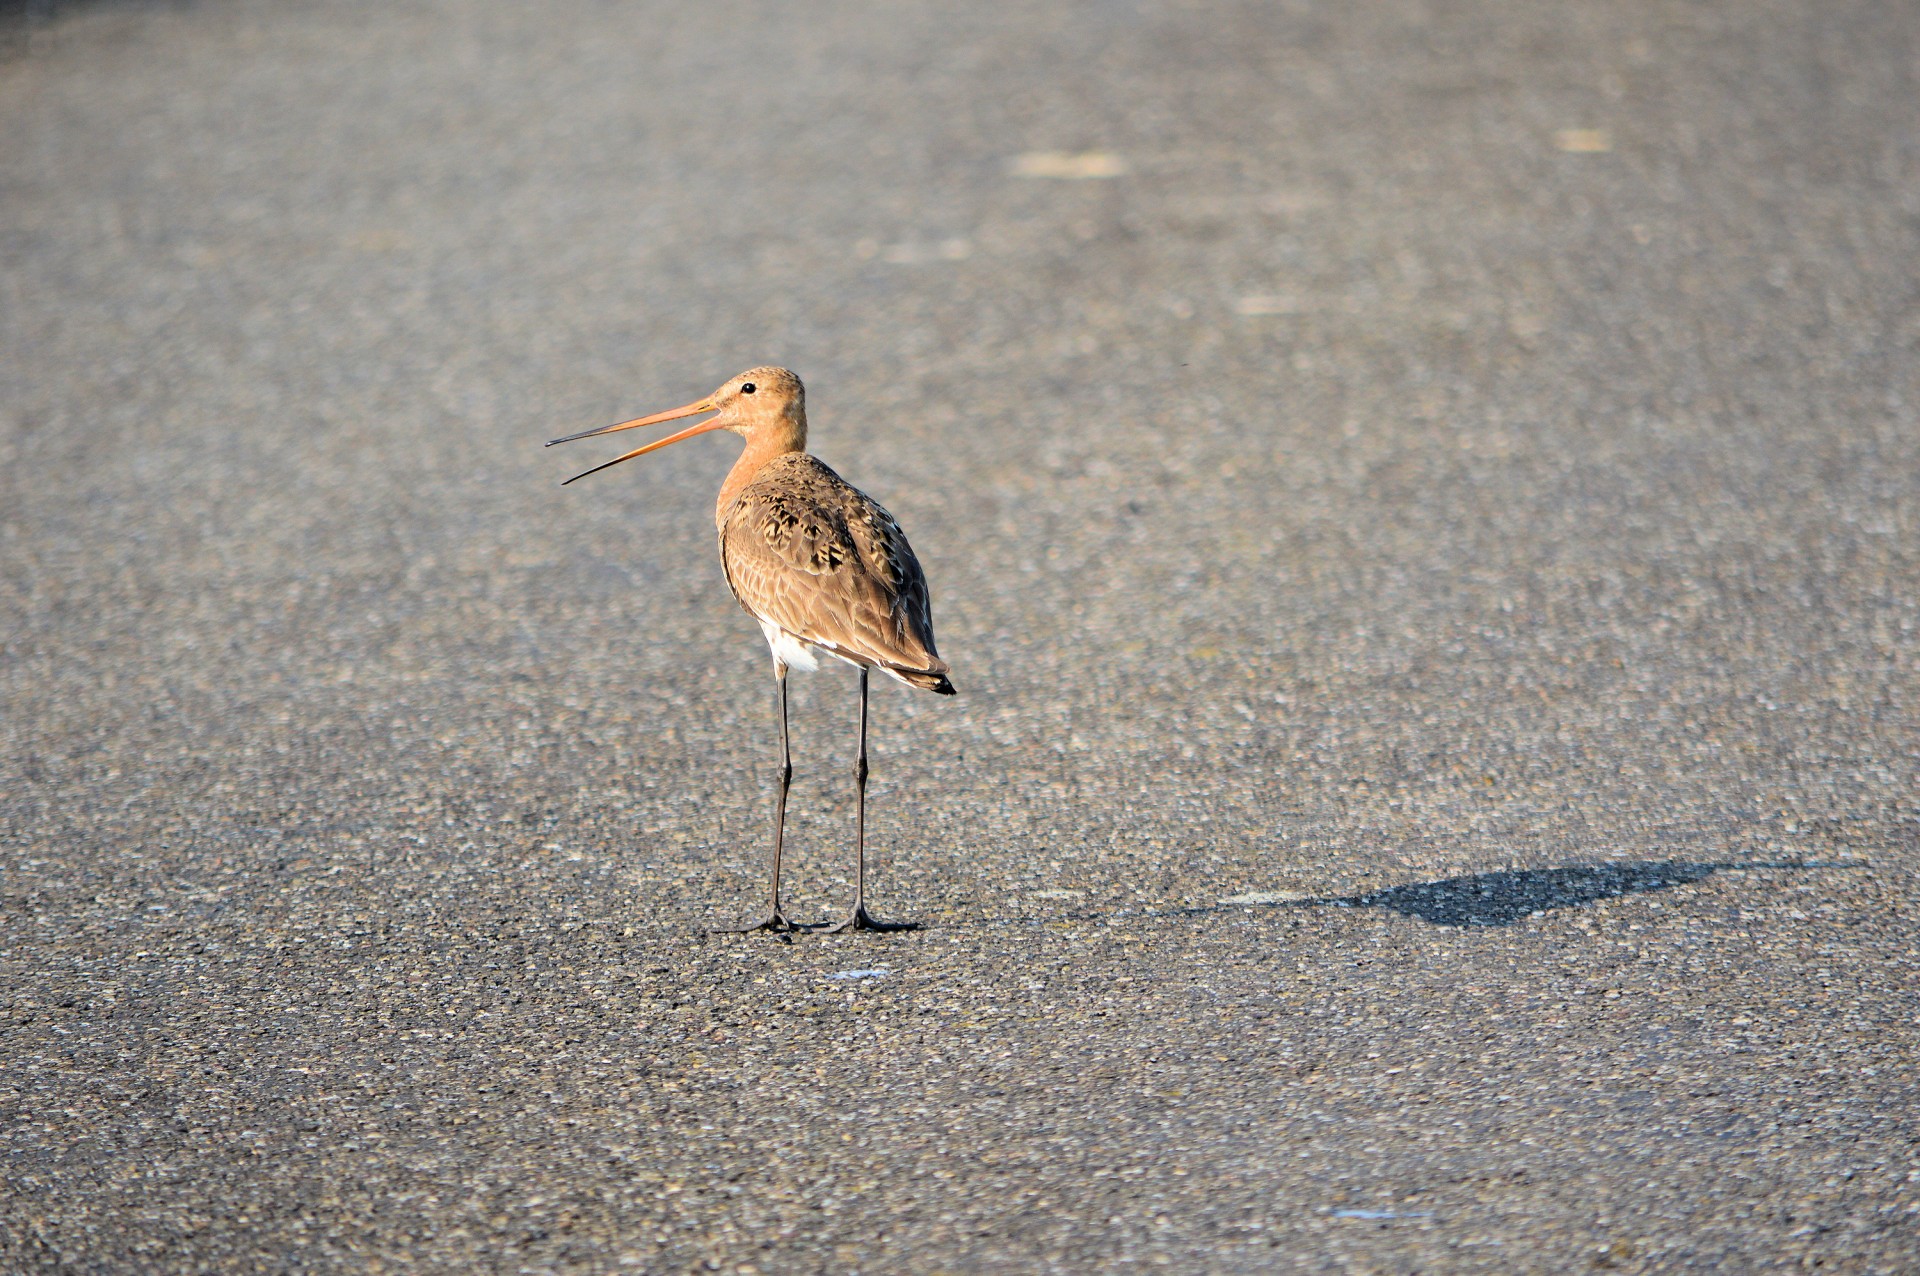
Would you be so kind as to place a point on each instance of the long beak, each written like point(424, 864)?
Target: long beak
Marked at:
point(691, 409)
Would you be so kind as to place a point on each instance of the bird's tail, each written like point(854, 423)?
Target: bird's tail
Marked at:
point(934, 679)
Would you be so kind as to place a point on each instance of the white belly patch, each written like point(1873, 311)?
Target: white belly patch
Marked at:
point(790, 651)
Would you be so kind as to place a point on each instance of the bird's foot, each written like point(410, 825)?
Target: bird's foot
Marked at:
point(779, 923)
point(861, 919)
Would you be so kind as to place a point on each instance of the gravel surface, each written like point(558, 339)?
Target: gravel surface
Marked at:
point(1421, 500)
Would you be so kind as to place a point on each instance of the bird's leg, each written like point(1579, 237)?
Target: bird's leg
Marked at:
point(859, 918)
point(777, 920)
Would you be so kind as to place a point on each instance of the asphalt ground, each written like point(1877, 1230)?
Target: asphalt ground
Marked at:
point(1421, 500)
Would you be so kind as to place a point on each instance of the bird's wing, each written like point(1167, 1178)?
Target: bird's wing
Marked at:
point(808, 552)
point(890, 560)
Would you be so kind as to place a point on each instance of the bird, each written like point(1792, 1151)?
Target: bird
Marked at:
point(823, 568)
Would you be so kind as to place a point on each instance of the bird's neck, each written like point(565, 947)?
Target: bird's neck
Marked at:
point(762, 447)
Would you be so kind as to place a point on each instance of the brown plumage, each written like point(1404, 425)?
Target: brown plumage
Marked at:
point(817, 562)
point(808, 553)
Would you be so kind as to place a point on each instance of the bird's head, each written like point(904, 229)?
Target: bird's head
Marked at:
point(761, 403)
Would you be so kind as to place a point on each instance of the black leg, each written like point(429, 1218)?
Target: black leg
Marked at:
point(860, 807)
point(859, 918)
point(777, 920)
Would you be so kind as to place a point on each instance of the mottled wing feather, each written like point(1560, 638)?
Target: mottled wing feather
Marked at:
point(810, 553)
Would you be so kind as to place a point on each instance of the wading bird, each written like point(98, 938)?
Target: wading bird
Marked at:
point(819, 564)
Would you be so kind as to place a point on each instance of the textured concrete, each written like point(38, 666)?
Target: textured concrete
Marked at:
point(1422, 504)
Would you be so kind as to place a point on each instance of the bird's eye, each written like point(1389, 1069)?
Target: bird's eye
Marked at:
point(747, 388)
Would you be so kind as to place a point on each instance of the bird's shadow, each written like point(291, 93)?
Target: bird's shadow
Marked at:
point(1503, 898)
point(1483, 899)
point(1476, 899)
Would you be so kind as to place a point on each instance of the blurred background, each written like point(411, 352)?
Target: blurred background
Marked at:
point(1350, 446)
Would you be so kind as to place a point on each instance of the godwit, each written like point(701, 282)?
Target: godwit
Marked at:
point(819, 564)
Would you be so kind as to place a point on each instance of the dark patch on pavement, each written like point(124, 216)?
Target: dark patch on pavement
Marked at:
point(1501, 899)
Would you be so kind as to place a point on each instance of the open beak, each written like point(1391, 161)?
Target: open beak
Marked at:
point(692, 409)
